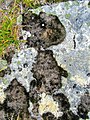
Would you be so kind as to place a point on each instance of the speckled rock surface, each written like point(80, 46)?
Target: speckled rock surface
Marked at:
point(46, 30)
point(47, 72)
point(56, 77)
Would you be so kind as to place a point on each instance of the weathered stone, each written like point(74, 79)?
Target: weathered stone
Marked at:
point(82, 112)
point(46, 30)
point(17, 101)
point(6, 71)
point(48, 116)
point(68, 115)
point(62, 101)
point(2, 115)
point(85, 100)
point(47, 72)
point(84, 106)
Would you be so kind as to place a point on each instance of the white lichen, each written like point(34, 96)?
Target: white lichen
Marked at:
point(22, 73)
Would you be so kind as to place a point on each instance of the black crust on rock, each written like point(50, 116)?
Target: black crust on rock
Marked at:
point(8, 56)
point(48, 80)
point(68, 115)
point(48, 116)
point(47, 72)
point(17, 101)
point(6, 71)
point(46, 30)
point(85, 100)
point(84, 106)
point(62, 101)
point(82, 112)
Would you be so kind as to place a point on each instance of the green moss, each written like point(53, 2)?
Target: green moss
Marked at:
point(67, 5)
point(1, 1)
point(5, 82)
point(67, 16)
point(31, 3)
point(37, 3)
point(88, 24)
point(8, 29)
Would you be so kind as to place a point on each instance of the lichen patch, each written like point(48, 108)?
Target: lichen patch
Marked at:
point(47, 104)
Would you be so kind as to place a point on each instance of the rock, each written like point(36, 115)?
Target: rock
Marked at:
point(47, 72)
point(85, 100)
point(8, 56)
point(2, 115)
point(17, 101)
point(46, 30)
point(48, 116)
point(48, 80)
point(68, 115)
point(6, 71)
point(62, 101)
point(82, 112)
point(84, 106)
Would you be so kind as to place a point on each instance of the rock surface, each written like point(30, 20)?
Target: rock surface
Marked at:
point(16, 103)
point(46, 30)
point(51, 79)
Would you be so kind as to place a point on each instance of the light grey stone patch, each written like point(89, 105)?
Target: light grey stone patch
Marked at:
point(21, 66)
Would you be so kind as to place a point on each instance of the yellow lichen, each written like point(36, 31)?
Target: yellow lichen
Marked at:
point(47, 104)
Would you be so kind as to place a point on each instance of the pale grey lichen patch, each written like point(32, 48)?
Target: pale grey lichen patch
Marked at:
point(21, 66)
point(75, 19)
point(73, 53)
point(3, 64)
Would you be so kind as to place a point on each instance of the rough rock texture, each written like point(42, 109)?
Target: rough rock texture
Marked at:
point(68, 115)
point(46, 30)
point(2, 112)
point(48, 80)
point(8, 56)
point(6, 71)
point(17, 101)
point(67, 94)
point(84, 106)
point(85, 100)
point(47, 72)
point(48, 116)
point(62, 100)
